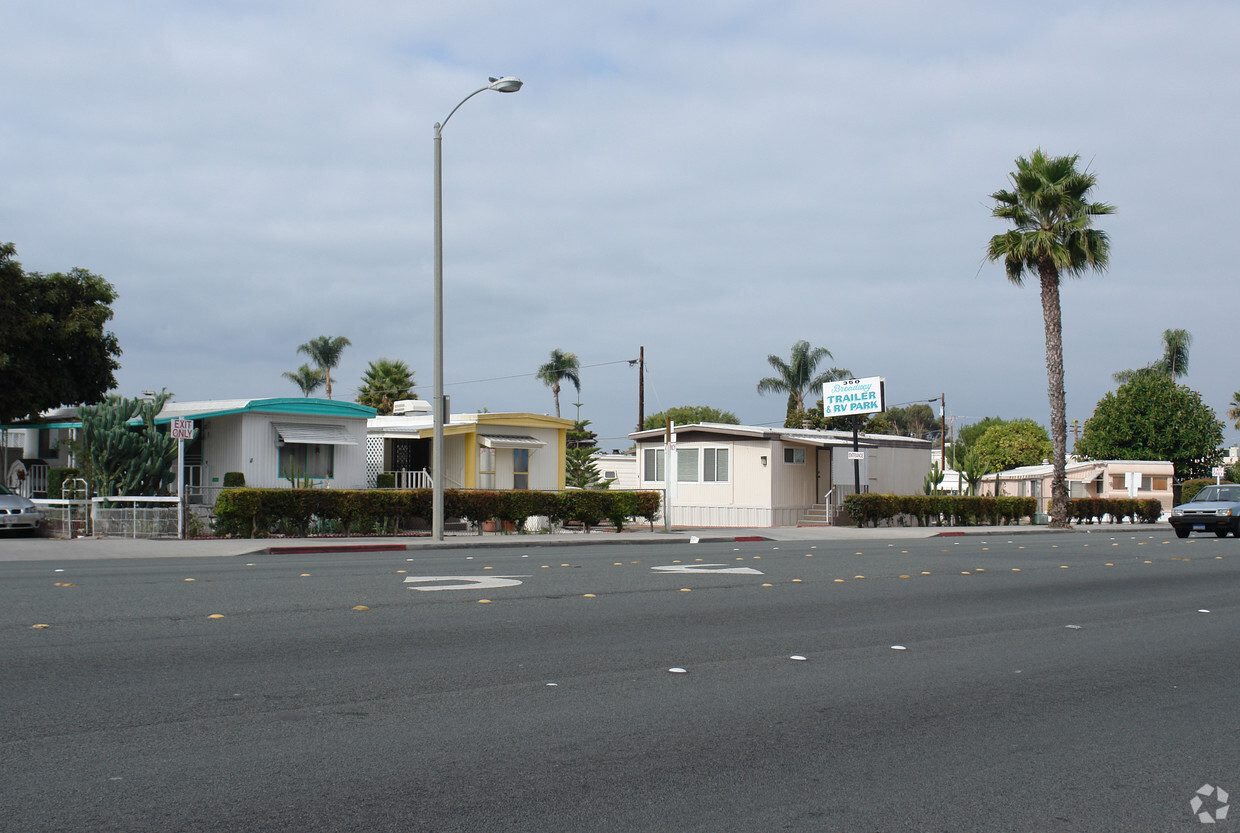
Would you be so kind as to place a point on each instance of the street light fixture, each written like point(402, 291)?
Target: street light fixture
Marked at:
point(507, 84)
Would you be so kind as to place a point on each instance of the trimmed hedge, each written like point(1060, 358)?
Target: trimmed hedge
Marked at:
point(1090, 509)
point(962, 510)
point(943, 510)
point(252, 513)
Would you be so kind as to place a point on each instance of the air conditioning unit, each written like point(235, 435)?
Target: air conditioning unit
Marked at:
point(408, 407)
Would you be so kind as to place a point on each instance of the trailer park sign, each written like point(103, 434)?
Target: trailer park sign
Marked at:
point(853, 396)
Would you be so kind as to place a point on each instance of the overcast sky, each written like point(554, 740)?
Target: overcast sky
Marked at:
point(712, 180)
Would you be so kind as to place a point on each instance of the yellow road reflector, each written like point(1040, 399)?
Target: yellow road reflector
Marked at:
point(360, 607)
point(216, 616)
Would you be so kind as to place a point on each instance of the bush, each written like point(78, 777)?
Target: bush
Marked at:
point(56, 479)
point(385, 480)
point(959, 510)
point(234, 479)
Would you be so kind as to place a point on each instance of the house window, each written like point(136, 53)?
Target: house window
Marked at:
point(652, 465)
point(1157, 484)
point(794, 456)
point(687, 465)
point(306, 460)
point(609, 475)
point(714, 465)
point(486, 468)
point(520, 468)
point(47, 443)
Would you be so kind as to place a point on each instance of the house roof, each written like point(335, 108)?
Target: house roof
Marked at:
point(304, 406)
point(421, 425)
point(801, 436)
point(1091, 469)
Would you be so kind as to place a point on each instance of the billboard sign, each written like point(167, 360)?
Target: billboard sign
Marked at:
point(853, 396)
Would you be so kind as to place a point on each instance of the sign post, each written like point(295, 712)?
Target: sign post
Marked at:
point(854, 397)
point(1218, 472)
point(182, 430)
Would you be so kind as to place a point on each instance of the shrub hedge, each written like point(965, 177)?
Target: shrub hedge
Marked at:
point(251, 513)
point(962, 510)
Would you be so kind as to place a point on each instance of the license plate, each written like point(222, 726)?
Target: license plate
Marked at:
point(1199, 527)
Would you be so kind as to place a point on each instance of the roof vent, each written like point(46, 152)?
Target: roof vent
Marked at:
point(411, 406)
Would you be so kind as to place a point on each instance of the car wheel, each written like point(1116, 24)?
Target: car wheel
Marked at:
point(1221, 533)
point(1181, 532)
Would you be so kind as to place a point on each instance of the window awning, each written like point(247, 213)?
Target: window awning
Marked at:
point(300, 432)
point(505, 441)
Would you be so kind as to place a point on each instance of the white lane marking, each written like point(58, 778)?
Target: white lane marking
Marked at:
point(707, 568)
point(464, 582)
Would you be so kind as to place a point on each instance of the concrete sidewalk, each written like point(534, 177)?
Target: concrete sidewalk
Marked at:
point(36, 549)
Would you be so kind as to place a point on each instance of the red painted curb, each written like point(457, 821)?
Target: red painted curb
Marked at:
point(950, 534)
point(747, 538)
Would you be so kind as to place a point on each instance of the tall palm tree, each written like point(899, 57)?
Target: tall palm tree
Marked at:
point(325, 353)
point(1234, 411)
point(796, 376)
point(562, 367)
point(1053, 236)
point(307, 378)
point(1175, 352)
point(1174, 361)
point(384, 382)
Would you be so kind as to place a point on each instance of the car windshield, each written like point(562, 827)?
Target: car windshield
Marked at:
point(1213, 493)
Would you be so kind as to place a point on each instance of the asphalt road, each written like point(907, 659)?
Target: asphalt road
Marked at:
point(1052, 682)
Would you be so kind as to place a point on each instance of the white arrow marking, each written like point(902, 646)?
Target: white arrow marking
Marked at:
point(708, 568)
point(464, 582)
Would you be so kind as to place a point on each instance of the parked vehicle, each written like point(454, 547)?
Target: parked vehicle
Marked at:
point(16, 512)
point(1214, 509)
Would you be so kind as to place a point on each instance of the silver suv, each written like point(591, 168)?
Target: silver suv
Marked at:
point(1214, 509)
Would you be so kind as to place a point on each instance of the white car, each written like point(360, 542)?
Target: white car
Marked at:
point(16, 512)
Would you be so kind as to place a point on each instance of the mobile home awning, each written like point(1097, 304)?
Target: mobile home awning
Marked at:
point(296, 432)
point(505, 441)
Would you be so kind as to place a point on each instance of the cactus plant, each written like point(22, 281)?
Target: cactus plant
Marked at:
point(127, 453)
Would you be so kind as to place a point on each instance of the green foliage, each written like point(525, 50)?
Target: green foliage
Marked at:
point(1153, 418)
point(933, 479)
point(1090, 510)
point(385, 480)
point(234, 479)
point(128, 459)
point(56, 478)
point(913, 420)
point(580, 469)
point(54, 349)
point(580, 435)
point(967, 437)
point(307, 378)
point(972, 471)
point(1009, 445)
point(563, 367)
point(252, 513)
point(796, 376)
point(325, 352)
point(385, 382)
point(690, 415)
point(1233, 411)
point(950, 510)
point(1174, 361)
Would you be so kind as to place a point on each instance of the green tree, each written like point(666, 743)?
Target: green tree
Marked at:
point(1009, 445)
point(913, 420)
point(54, 348)
point(1233, 412)
point(797, 375)
point(308, 378)
point(123, 458)
point(1053, 236)
point(1174, 361)
point(384, 382)
point(325, 352)
point(1153, 418)
point(690, 415)
point(563, 367)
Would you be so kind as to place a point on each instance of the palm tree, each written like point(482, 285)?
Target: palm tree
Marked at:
point(325, 353)
point(1174, 361)
point(384, 382)
point(1234, 411)
point(562, 367)
point(1053, 236)
point(305, 377)
point(796, 376)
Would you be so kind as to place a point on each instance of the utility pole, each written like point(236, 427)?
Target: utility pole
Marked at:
point(641, 387)
point(943, 430)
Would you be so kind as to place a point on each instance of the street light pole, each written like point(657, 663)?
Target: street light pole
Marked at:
point(507, 84)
